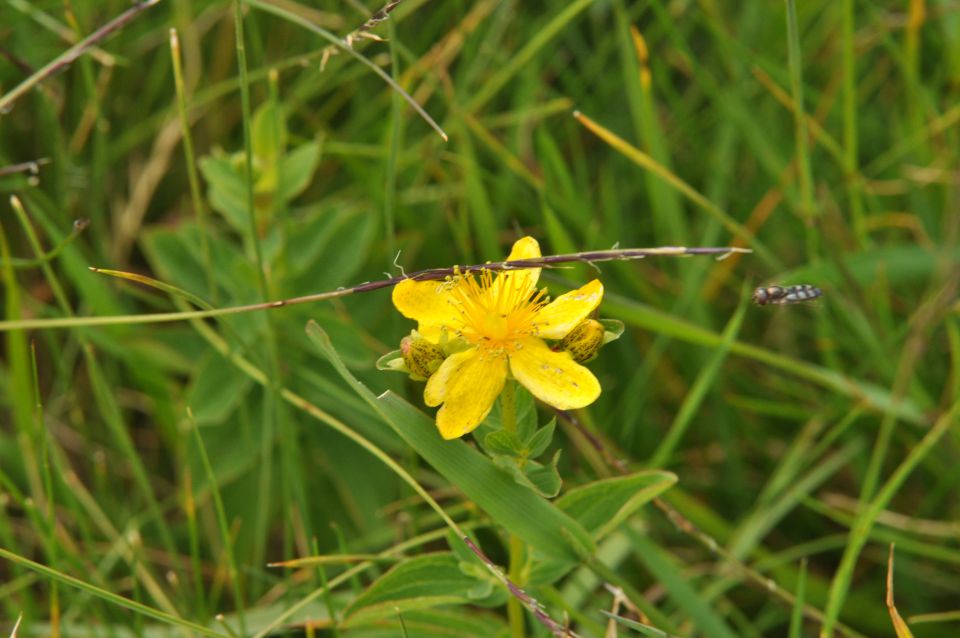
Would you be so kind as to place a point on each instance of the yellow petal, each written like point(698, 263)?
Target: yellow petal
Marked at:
point(566, 311)
point(526, 280)
point(467, 384)
point(436, 390)
point(430, 303)
point(553, 377)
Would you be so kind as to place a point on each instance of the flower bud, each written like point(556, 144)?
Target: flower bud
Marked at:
point(421, 357)
point(584, 341)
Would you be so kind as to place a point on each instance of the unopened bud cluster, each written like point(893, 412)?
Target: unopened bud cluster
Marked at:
point(584, 341)
point(421, 357)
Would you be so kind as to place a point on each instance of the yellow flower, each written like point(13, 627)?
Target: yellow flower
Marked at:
point(501, 320)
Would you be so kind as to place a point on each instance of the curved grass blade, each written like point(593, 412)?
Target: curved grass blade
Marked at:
point(108, 596)
point(518, 509)
point(332, 39)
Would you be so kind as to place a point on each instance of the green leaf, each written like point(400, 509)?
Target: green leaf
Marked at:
point(216, 391)
point(225, 189)
point(418, 583)
point(602, 505)
point(296, 170)
point(646, 630)
point(545, 477)
point(328, 248)
point(436, 623)
point(504, 442)
point(541, 439)
point(542, 479)
point(519, 510)
point(269, 132)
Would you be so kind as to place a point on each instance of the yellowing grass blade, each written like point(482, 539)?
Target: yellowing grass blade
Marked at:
point(898, 623)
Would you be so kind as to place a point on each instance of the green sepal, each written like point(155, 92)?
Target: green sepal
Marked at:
point(392, 362)
point(612, 329)
point(543, 479)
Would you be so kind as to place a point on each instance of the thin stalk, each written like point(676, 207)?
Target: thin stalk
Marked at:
point(248, 146)
point(64, 60)
point(192, 176)
point(46, 257)
point(52, 545)
point(850, 124)
point(430, 274)
point(222, 524)
point(518, 594)
point(508, 418)
point(271, 407)
point(395, 132)
point(190, 511)
point(344, 46)
point(800, 129)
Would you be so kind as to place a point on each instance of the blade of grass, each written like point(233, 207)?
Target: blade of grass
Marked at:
point(851, 151)
point(64, 60)
point(49, 496)
point(110, 597)
point(668, 218)
point(669, 574)
point(523, 57)
point(222, 525)
point(643, 160)
point(269, 7)
point(796, 617)
point(860, 532)
point(16, 345)
point(53, 253)
point(795, 62)
point(873, 396)
point(199, 208)
point(706, 379)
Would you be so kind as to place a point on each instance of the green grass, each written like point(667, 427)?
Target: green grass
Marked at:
point(150, 472)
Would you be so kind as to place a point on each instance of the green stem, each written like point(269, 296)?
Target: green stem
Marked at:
point(508, 418)
point(508, 407)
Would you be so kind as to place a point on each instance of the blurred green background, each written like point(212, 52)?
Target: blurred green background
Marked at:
point(783, 425)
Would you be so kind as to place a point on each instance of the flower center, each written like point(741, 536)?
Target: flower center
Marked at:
point(495, 313)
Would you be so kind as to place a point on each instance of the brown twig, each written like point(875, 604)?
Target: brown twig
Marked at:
point(430, 274)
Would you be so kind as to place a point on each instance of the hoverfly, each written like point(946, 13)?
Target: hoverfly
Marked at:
point(785, 294)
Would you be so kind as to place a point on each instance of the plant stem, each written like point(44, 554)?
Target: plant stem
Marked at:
point(508, 418)
point(430, 274)
point(515, 573)
point(508, 407)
